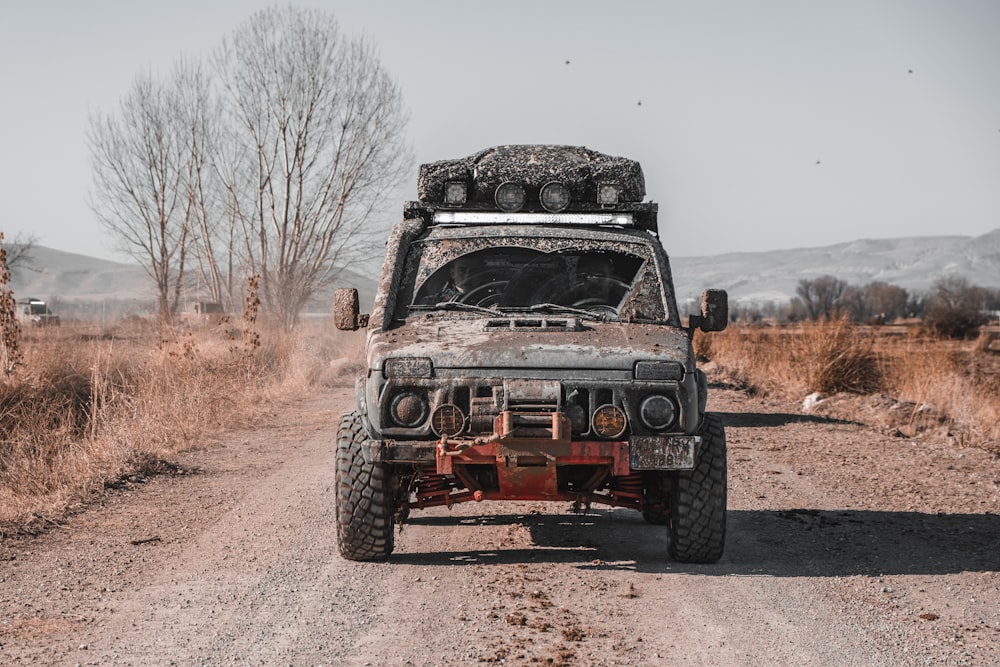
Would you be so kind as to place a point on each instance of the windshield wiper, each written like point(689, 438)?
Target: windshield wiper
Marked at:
point(557, 308)
point(455, 305)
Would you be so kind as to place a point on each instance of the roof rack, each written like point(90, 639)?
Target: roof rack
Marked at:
point(534, 185)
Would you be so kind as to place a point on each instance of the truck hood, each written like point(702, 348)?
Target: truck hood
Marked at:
point(501, 343)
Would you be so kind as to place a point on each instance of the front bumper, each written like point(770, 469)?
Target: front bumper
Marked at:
point(670, 452)
point(534, 462)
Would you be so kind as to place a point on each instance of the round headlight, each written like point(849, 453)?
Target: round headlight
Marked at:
point(657, 412)
point(509, 196)
point(554, 197)
point(608, 421)
point(447, 420)
point(408, 409)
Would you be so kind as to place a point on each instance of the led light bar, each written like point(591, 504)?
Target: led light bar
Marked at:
point(498, 218)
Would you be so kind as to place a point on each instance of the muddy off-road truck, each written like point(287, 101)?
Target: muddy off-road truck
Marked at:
point(525, 344)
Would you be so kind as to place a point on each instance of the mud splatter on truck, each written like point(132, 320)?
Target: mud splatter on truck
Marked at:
point(525, 344)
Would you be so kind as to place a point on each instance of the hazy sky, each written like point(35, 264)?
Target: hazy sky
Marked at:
point(762, 125)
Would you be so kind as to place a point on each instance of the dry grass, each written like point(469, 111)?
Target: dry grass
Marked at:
point(959, 382)
point(827, 357)
point(85, 410)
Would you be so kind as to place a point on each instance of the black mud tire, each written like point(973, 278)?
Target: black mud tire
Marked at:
point(698, 502)
point(364, 497)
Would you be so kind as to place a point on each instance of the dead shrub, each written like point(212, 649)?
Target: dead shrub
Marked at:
point(86, 410)
point(955, 308)
point(702, 343)
point(830, 357)
point(956, 323)
point(10, 330)
point(957, 382)
point(838, 357)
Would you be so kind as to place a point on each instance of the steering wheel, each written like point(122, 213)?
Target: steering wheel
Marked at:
point(485, 295)
point(594, 293)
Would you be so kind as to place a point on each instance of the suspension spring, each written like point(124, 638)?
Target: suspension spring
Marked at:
point(430, 485)
point(628, 486)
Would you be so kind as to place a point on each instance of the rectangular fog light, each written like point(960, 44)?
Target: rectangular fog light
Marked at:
point(658, 370)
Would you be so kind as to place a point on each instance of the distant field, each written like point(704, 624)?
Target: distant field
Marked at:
point(950, 386)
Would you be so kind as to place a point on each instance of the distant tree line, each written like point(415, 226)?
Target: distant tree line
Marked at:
point(953, 308)
point(272, 159)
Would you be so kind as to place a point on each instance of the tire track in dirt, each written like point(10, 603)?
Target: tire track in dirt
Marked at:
point(520, 589)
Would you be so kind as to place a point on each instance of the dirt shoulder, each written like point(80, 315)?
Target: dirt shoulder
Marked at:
point(846, 546)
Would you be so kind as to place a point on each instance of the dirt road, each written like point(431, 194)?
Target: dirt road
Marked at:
point(846, 547)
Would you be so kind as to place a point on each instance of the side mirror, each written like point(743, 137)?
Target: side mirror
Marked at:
point(346, 311)
point(714, 310)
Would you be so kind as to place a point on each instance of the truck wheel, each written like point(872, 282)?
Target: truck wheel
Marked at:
point(364, 499)
point(698, 502)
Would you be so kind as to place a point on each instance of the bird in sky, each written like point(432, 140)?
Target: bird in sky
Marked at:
point(567, 62)
point(639, 103)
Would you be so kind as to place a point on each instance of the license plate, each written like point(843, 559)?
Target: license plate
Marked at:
point(674, 452)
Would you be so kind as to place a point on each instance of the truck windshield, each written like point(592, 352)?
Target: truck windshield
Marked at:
point(513, 279)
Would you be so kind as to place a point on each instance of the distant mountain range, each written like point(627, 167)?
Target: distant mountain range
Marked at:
point(49, 274)
point(913, 263)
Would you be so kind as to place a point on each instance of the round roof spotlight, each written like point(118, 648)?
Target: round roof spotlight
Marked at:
point(509, 196)
point(554, 197)
point(608, 421)
point(447, 420)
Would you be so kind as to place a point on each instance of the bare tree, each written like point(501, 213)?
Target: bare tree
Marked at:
point(142, 160)
point(885, 302)
point(956, 309)
point(820, 296)
point(318, 142)
point(853, 302)
point(213, 247)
